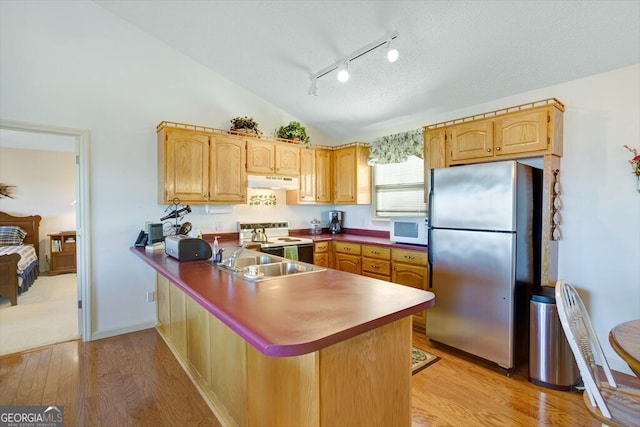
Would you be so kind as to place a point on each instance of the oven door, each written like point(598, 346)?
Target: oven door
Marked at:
point(305, 252)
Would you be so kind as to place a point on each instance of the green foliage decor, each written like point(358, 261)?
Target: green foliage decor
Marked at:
point(295, 131)
point(245, 125)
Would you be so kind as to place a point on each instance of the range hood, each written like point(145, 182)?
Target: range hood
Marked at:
point(274, 182)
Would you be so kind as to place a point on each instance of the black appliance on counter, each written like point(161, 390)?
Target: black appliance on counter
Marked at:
point(277, 239)
point(336, 221)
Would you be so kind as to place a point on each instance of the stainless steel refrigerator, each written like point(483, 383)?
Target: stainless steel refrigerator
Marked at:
point(484, 252)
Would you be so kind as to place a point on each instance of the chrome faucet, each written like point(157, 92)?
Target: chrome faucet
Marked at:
point(231, 261)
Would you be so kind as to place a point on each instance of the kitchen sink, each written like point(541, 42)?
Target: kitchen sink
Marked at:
point(269, 267)
point(286, 268)
point(255, 260)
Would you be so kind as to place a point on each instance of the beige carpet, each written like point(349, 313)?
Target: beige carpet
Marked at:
point(46, 314)
point(420, 359)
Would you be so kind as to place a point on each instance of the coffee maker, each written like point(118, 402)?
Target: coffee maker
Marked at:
point(336, 219)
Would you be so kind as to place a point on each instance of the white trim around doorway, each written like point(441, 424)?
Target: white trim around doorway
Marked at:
point(83, 212)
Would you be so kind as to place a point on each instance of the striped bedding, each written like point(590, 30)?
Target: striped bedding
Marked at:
point(27, 255)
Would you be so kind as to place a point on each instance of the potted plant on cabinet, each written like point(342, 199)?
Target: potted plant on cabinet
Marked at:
point(245, 125)
point(294, 131)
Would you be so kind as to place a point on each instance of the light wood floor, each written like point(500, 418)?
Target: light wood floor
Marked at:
point(134, 380)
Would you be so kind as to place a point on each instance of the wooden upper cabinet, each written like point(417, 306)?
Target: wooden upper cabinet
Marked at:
point(524, 132)
point(268, 158)
point(228, 176)
point(352, 175)
point(261, 157)
point(315, 177)
point(472, 140)
point(307, 176)
point(434, 149)
point(323, 175)
point(183, 165)
point(287, 159)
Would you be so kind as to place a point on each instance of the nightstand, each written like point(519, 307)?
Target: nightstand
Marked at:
point(63, 252)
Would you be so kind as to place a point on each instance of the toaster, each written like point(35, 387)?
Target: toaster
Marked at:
point(185, 248)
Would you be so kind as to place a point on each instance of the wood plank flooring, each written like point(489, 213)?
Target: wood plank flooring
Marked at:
point(134, 380)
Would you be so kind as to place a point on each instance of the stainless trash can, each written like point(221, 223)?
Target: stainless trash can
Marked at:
point(551, 362)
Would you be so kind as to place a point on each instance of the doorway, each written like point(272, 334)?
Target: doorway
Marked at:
point(80, 140)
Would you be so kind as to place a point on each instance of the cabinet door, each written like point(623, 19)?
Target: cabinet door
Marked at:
point(472, 140)
point(323, 176)
point(307, 175)
point(186, 166)
point(434, 150)
point(260, 157)
point(178, 316)
point(287, 159)
point(162, 296)
point(345, 175)
point(321, 259)
point(416, 277)
point(348, 263)
point(521, 133)
point(228, 176)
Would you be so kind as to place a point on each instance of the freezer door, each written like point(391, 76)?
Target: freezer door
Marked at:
point(473, 281)
point(474, 197)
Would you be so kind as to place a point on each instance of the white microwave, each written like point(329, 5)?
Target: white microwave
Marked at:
point(411, 230)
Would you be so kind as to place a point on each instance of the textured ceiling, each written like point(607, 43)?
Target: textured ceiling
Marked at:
point(453, 54)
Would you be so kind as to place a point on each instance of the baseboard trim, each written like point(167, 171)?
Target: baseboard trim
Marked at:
point(98, 335)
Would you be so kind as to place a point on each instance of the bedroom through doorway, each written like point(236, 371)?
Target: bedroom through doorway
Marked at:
point(49, 184)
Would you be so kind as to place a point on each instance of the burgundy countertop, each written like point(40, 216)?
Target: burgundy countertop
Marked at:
point(295, 315)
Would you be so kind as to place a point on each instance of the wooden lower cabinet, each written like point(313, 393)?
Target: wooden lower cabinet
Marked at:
point(376, 262)
point(402, 266)
point(322, 254)
point(323, 388)
point(348, 263)
point(410, 268)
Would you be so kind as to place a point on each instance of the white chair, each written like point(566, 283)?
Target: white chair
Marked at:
point(610, 403)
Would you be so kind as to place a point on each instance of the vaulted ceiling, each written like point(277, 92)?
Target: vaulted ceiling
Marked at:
point(453, 54)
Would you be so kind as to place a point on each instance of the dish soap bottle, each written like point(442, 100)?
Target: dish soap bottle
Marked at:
point(215, 250)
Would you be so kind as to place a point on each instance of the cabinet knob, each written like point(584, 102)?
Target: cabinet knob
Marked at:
point(375, 253)
point(488, 150)
point(376, 267)
point(408, 257)
point(497, 148)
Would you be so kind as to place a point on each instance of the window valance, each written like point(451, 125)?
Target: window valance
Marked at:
point(396, 148)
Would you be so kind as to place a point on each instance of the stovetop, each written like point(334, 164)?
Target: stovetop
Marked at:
point(277, 234)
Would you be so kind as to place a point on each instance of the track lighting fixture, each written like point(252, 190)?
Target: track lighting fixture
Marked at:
point(343, 64)
point(343, 72)
point(392, 53)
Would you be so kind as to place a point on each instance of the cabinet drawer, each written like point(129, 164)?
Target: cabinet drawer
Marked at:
point(376, 276)
point(376, 266)
point(321, 247)
point(409, 257)
point(376, 252)
point(69, 246)
point(348, 248)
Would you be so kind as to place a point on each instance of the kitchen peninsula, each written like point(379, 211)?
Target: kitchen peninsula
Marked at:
point(316, 349)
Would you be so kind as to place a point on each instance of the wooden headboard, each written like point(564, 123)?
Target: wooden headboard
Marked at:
point(30, 224)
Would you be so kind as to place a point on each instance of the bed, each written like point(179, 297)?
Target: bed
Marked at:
point(19, 265)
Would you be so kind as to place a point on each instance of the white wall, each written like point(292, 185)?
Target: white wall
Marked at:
point(73, 64)
point(45, 186)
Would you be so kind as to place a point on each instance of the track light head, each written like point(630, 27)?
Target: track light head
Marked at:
point(343, 72)
point(313, 90)
point(392, 53)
